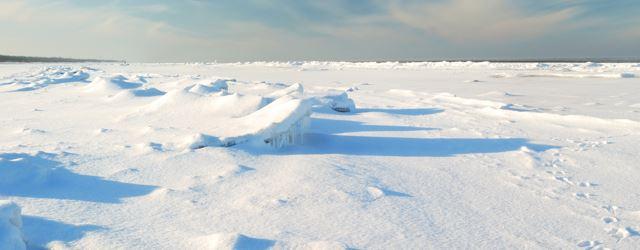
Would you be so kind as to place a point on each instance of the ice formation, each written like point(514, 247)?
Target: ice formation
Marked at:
point(341, 102)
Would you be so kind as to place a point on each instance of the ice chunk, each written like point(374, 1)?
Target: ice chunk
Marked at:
point(341, 102)
point(282, 122)
point(48, 76)
point(10, 226)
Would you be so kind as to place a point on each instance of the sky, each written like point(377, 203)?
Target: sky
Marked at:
point(293, 30)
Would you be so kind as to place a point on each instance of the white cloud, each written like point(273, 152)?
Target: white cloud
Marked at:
point(64, 30)
point(480, 21)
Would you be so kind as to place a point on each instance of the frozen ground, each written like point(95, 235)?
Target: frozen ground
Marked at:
point(254, 156)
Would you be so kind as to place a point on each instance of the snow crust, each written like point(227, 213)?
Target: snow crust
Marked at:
point(320, 155)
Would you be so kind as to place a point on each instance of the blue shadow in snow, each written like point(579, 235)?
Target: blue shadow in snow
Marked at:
point(39, 176)
point(246, 242)
point(391, 111)
point(330, 126)
point(40, 231)
point(147, 92)
point(402, 111)
point(399, 146)
point(389, 192)
point(82, 77)
point(122, 82)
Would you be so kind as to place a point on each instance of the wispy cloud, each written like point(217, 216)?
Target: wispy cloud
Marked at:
point(62, 29)
point(480, 21)
point(231, 30)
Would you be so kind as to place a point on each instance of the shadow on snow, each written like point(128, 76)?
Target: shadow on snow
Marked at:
point(399, 146)
point(330, 126)
point(39, 176)
point(326, 138)
point(41, 231)
point(402, 111)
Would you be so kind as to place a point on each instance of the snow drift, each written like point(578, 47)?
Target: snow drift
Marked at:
point(341, 102)
point(48, 76)
point(281, 122)
point(111, 84)
point(206, 87)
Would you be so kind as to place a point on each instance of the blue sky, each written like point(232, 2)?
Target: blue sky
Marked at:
point(247, 30)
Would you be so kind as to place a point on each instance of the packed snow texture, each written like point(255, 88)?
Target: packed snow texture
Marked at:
point(320, 155)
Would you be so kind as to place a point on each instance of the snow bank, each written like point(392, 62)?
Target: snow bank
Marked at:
point(111, 84)
point(280, 123)
point(48, 76)
point(341, 102)
point(133, 93)
point(293, 90)
point(10, 226)
point(208, 87)
point(186, 105)
point(510, 110)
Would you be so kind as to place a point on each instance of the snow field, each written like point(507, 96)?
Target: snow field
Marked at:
point(429, 155)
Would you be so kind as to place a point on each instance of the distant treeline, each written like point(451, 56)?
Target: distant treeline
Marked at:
point(47, 59)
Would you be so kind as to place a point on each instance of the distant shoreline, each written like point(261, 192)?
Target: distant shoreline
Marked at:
point(33, 59)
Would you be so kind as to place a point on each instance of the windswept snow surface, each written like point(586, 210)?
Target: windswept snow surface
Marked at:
point(320, 155)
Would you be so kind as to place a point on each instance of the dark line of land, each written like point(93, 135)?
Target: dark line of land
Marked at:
point(32, 59)
point(29, 59)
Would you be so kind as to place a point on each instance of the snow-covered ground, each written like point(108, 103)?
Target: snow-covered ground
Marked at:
point(257, 155)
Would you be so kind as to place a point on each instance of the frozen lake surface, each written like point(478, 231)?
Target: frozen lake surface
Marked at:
point(320, 155)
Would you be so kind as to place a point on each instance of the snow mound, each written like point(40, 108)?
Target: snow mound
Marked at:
point(510, 110)
point(293, 90)
point(186, 105)
point(341, 102)
point(11, 226)
point(232, 241)
point(111, 84)
point(279, 123)
point(133, 93)
point(48, 76)
point(208, 87)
